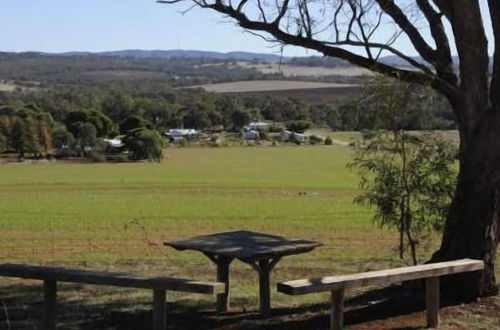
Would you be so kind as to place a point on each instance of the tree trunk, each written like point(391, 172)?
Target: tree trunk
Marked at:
point(473, 225)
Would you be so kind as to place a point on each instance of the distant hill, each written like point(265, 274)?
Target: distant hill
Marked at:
point(397, 61)
point(89, 68)
point(192, 54)
point(312, 61)
point(173, 67)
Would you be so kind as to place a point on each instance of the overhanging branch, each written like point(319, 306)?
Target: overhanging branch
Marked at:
point(399, 17)
point(423, 75)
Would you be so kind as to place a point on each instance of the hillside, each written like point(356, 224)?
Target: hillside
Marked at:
point(174, 68)
point(94, 69)
point(180, 53)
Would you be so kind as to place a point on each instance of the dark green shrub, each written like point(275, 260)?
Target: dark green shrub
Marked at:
point(299, 126)
point(117, 158)
point(3, 143)
point(314, 139)
point(134, 122)
point(275, 128)
point(144, 143)
point(96, 157)
point(61, 137)
point(263, 135)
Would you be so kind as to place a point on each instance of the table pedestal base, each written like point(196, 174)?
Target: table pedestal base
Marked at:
point(264, 268)
point(222, 264)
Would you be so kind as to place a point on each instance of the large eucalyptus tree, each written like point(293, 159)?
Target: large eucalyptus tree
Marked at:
point(361, 32)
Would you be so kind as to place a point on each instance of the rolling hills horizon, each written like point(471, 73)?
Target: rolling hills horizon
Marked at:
point(213, 55)
point(201, 54)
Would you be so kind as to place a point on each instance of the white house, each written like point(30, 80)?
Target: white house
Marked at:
point(115, 143)
point(286, 135)
point(177, 134)
point(251, 135)
point(257, 126)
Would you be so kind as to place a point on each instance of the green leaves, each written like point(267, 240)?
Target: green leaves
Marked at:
point(144, 143)
point(409, 179)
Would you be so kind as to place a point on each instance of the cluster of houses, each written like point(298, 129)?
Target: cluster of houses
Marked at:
point(179, 134)
point(252, 131)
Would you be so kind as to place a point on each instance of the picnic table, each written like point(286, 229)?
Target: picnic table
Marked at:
point(261, 251)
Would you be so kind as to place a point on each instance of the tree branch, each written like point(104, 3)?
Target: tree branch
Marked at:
point(399, 17)
point(423, 76)
point(443, 61)
point(472, 47)
point(385, 47)
point(282, 12)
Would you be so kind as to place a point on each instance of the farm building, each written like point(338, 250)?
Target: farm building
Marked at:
point(257, 126)
point(114, 143)
point(251, 135)
point(178, 134)
point(287, 135)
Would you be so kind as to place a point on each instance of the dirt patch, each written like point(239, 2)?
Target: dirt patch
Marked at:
point(314, 95)
point(268, 85)
point(297, 71)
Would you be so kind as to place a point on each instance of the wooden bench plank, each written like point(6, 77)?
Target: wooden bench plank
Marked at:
point(112, 279)
point(51, 275)
point(331, 283)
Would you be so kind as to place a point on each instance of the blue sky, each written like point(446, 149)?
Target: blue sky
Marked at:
point(99, 25)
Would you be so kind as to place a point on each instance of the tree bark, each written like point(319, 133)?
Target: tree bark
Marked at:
point(473, 226)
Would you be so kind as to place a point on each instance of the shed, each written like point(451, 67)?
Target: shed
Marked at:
point(251, 135)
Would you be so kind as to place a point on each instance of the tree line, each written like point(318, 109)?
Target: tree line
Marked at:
point(81, 115)
point(166, 107)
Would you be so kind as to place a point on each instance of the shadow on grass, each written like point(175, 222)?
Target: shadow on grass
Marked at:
point(21, 307)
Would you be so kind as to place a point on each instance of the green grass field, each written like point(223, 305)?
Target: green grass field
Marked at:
point(59, 212)
point(116, 216)
point(114, 213)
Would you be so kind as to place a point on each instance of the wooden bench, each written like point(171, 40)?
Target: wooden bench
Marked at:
point(338, 284)
point(51, 275)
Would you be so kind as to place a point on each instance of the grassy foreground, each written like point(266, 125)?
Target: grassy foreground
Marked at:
point(62, 212)
point(116, 216)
